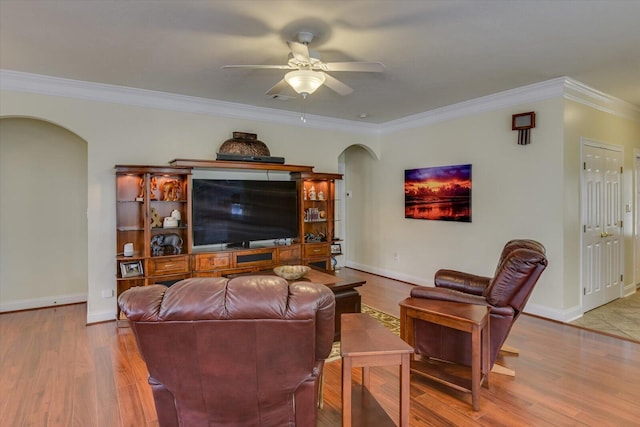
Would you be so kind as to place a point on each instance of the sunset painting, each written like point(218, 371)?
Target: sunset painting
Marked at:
point(438, 193)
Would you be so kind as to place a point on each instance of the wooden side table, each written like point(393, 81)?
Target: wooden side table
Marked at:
point(470, 318)
point(366, 342)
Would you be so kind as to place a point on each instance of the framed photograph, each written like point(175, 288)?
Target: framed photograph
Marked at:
point(336, 248)
point(438, 193)
point(131, 269)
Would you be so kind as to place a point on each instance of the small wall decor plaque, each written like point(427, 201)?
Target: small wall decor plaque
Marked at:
point(523, 123)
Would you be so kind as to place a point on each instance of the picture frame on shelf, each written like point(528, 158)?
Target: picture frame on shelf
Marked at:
point(131, 269)
point(336, 248)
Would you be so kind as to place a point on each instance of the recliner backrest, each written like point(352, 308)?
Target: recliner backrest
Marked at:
point(520, 267)
point(512, 245)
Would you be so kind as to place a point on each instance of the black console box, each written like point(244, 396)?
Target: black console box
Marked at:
point(243, 158)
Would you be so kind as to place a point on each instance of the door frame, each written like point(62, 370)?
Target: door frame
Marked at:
point(617, 148)
point(636, 218)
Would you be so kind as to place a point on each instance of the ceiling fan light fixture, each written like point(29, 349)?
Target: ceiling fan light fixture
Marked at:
point(305, 82)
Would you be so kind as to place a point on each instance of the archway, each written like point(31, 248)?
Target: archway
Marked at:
point(43, 215)
point(352, 165)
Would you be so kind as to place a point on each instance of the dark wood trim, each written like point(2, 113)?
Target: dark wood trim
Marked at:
point(225, 164)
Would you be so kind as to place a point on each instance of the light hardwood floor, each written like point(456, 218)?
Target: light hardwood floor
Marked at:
point(55, 371)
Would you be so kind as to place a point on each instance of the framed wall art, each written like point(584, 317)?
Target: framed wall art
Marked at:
point(438, 193)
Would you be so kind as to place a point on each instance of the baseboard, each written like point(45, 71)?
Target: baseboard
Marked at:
point(629, 289)
point(101, 316)
point(391, 274)
point(49, 301)
point(561, 315)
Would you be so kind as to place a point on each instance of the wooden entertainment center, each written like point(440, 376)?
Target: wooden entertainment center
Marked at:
point(163, 252)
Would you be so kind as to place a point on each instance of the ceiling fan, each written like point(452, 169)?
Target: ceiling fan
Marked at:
point(309, 72)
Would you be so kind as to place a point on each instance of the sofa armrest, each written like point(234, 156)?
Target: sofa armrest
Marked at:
point(460, 281)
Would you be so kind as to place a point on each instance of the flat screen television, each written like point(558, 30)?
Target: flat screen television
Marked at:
point(237, 212)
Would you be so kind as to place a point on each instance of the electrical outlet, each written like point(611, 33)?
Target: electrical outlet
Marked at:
point(107, 293)
point(396, 257)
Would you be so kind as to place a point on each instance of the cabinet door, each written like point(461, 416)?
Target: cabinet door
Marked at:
point(315, 250)
point(169, 265)
point(212, 261)
point(289, 254)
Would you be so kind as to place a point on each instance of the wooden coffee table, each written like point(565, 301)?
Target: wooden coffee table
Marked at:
point(470, 318)
point(365, 343)
point(343, 285)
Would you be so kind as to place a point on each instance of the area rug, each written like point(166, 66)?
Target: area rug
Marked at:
point(389, 321)
point(620, 318)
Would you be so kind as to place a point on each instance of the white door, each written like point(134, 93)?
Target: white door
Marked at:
point(602, 220)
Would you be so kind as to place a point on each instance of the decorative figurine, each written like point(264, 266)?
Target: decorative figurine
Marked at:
point(171, 190)
point(140, 197)
point(312, 193)
point(175, 214)
point(156, 219)
point(320, 195)
point(154, 186)
point(169, 243)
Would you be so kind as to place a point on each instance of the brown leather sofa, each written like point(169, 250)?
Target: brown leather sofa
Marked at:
point(506, 293)
point(247, 351)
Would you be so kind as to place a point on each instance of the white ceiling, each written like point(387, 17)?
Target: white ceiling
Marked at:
point(436, 53)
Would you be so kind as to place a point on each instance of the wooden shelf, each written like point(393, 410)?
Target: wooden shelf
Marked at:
point(224, 164)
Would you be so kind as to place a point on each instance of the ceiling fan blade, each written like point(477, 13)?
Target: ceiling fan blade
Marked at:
point(261, 67)
point(368, 67)
point(336, 85)
point(300, 51)
point(277, 88)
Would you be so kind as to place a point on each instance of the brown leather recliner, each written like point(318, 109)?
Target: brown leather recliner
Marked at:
point(520, 266)
point(247, 351)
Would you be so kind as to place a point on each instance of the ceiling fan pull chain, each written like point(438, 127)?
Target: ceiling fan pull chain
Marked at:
point(303, 117)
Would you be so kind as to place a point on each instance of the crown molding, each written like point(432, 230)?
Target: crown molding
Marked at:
point(583, 94)
point(56, 86)
point(560, 87)
point(510, 98)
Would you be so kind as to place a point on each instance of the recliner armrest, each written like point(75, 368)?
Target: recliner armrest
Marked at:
point(444, 294)
point(460, 281)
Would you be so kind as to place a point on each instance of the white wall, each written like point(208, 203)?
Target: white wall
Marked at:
point(515, 195)
point(122, 134)
point(518, 191)
point(43, 215)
